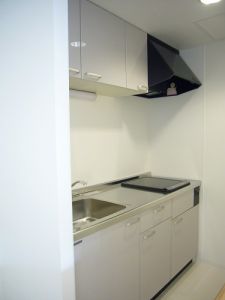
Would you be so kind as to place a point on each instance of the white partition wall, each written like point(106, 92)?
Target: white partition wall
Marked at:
point(213, 246)
point(36, 247)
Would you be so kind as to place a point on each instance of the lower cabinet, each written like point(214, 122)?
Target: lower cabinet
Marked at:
point(155, 257)
point(135, 259)
point(107, 263)
point(184, 239)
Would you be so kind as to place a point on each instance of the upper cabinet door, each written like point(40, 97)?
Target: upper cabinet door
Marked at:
point(74, 38)
point(136, 59)
point(103, 57)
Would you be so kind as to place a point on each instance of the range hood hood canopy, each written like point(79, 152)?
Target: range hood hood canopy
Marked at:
point(168, 74)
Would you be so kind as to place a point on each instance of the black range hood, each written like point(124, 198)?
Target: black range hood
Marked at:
point(168, 74)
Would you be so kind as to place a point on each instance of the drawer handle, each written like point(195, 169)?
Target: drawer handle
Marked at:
point(159, 209)
point(178, 221)
point(74, 71)
point(142, 87)
point(148, 236)
point(133, 222)
point(92, 75)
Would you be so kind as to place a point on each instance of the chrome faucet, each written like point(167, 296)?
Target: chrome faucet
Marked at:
point(84, 183)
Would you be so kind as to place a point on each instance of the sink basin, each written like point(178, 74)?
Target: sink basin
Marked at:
point(89, 210)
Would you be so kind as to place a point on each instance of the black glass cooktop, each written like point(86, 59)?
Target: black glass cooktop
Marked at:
point(156, 184)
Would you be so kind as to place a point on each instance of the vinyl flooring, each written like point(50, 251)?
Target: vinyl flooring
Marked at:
point(201, 281)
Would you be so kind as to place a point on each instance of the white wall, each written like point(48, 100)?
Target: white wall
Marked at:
point(187, 140)
point(214, 155)
point(36, 247)
point(176, 128)
point(109, 137)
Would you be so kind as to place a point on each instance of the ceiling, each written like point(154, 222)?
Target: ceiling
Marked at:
point(180, 23)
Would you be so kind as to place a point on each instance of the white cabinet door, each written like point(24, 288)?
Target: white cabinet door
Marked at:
point(78, 267)
point(136, 59)
point(155, 257)
point(184, 239)
point(107, 263)
point(87, 267)
point(74, 38)
point(103, 57)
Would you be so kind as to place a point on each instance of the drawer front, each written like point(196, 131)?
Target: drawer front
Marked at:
point(155, 215)
point(182, 203)
point(161, 212)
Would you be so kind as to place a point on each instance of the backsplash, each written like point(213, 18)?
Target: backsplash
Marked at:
point(109, 137)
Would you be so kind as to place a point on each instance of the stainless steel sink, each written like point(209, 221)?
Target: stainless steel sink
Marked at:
point(89, 210)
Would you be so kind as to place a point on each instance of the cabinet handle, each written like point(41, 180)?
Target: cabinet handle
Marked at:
point(159, 209)
point(142, 87)
point(133, 222)
point(93, 76)
point(77, 243)
point(74, 71)
point(148, 236)
point(178, 221)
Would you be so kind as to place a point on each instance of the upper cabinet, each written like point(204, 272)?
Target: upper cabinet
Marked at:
point(106, 54)
point(74, 38)
point(103, 56)
point(136, 59)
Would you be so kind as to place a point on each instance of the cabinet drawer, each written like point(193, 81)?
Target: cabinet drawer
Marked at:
point(155, 215)
point(182, 203)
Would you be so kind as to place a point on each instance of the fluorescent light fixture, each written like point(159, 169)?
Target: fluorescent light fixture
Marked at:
point(207, 2)
point(88, 96)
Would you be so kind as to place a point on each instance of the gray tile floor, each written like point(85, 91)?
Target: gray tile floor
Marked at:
point(201, 281)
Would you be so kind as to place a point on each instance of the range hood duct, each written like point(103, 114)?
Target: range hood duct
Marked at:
point(168, 74)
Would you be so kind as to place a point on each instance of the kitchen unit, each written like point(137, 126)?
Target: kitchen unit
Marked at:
point(133, 253)
point(139, 246)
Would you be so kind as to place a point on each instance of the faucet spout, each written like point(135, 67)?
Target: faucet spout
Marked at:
point(84, 183)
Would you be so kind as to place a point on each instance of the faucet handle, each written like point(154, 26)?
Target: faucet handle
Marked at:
point(84, 183)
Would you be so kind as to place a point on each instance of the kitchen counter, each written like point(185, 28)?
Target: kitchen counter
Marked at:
point(136, 202)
